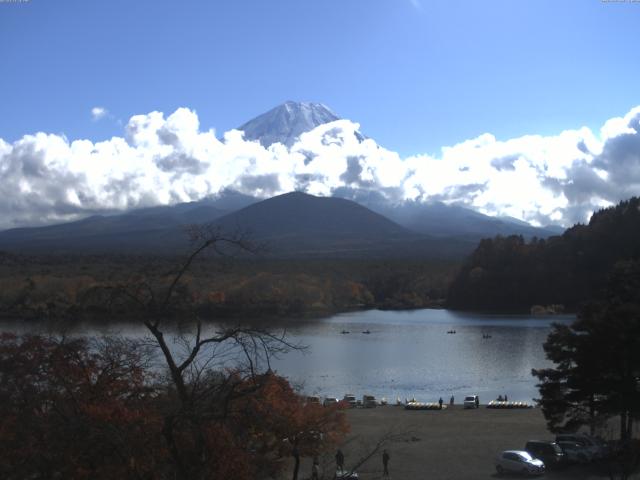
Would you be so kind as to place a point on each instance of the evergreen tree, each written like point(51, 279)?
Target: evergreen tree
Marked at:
point(597, 360)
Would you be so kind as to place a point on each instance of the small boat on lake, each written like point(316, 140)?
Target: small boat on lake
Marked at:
point(367, 332)
point(344, 332)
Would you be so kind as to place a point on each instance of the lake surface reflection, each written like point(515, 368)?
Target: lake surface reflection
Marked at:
point(406, 354)
point(410, 354)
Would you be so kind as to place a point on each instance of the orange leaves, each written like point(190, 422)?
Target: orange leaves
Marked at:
point(70, 410)
point(277, 410)
point(75, 409)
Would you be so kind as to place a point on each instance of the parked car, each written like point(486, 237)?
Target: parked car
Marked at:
point(471, 401)
point(519, 461)
point(596, 449)
point(369, 401)
point(602, 448)
point(549, 452)
point(576, 453)
point(314, 400)
point(350, 400)
point(330, 401)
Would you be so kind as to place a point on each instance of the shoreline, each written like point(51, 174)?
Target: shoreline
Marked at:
point(273, 320)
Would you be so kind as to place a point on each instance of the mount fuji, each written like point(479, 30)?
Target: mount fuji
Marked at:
point(285, 123)
point(356, 222)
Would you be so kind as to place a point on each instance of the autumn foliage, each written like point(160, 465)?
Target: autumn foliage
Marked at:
point(76, 409)
point(71, 411)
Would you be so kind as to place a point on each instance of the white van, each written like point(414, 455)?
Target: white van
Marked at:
point(471, 401)
point(350, 400)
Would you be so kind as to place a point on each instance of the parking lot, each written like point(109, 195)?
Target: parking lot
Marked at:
point(453, 443)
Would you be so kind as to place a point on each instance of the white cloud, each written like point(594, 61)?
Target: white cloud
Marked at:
point(98, 113)
point(168, 159)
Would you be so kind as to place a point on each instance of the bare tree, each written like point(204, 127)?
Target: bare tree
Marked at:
point(201, 394)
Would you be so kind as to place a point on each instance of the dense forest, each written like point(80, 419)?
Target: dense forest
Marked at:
point(68, 287)
point(506, 274)
point(510, 274)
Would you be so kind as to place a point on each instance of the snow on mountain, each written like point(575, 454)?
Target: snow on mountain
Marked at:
point(286, 122)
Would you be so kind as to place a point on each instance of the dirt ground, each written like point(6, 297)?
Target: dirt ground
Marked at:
point(438, 445)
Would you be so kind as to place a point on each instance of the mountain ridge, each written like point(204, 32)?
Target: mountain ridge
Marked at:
point(295, 222)
point(292, 225)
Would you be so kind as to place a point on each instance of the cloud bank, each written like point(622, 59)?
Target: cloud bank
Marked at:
point(160, 160)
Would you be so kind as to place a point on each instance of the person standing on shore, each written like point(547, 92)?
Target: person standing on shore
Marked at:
point(340, 460)
point(440, 403)
point(385, 463)
point(477, 401)
point(451, 401)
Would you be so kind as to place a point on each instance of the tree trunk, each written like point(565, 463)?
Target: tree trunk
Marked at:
point(167, 432)
point(624, 434)
point(296, 466)
point(592, 416)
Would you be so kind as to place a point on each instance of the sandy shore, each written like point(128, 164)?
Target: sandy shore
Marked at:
point(450, 444)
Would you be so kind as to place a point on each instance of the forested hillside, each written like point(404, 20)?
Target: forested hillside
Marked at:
point(510, 274)
point(70, 287)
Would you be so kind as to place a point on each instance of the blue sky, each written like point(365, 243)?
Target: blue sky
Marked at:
point(416, 74)
point(478, 103)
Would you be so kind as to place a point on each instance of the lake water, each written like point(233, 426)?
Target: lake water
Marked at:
point(410, 354)
point(407, 354)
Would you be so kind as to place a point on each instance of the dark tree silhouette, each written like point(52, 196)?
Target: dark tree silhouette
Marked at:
point(597, 360)
point(510, 274)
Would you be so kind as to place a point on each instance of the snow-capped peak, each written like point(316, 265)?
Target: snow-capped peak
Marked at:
point(286, 122)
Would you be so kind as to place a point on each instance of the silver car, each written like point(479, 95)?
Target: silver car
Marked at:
point(519, 461)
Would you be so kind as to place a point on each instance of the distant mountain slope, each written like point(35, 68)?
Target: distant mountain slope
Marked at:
point(509, 274)
point(291, 225)
point(453, 220)
point(286, 122)
point(297, 224)
point(301, 214)
point(439, 219)
point(153, 229)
